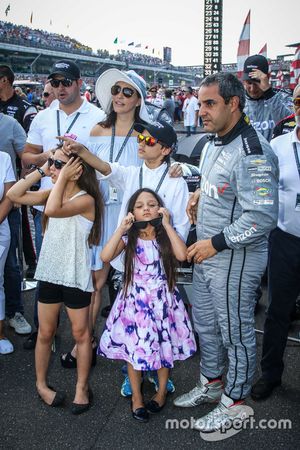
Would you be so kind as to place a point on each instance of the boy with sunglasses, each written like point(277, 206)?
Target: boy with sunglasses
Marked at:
point(156, 142)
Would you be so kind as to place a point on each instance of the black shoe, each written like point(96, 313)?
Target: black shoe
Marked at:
point(68, 361)
point(153, 407)
point(78, 408)
point(30, 342)
point(140, 414)
point(263, 388)
point(58, 400)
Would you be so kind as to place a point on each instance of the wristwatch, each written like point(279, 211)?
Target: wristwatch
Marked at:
point(41, 171)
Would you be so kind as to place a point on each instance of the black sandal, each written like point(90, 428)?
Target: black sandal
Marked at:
point(68, 361)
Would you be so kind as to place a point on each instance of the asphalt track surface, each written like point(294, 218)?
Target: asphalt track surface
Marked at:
point(27, 423)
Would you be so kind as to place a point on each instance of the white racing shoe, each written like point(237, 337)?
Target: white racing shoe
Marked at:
point(204, 392)
point(225, 416)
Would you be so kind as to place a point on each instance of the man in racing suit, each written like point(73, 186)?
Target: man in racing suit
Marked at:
point(265, 106)
point(237, 210)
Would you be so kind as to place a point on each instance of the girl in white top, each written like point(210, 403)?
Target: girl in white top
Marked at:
point(73, 211)
point(7, 179)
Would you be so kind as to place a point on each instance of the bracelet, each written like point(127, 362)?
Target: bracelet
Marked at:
point(41, 172)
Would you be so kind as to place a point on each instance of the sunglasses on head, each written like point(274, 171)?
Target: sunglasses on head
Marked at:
point(296, 101)
point(141, 224)
point(58, 164)
point(149, 140)
point(126, 91)
point(66, 82)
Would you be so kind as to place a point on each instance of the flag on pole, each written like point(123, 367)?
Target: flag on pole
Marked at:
point(50, 21)
point(130, 43)
point(295, 69)
point(31, 17)
point(244, 46)
point(7, 10)
point(116, 40)
point(263, 51)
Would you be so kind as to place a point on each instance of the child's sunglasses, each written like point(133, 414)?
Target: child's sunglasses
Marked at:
point(126, 91)
point(142, 224)
point(149, 140)
point(58, 164)
point(66, 82)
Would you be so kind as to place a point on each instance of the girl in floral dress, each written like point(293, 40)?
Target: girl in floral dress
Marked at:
point(148, 326)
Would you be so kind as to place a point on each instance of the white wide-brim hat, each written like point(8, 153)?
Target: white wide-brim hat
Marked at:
point(109, 78)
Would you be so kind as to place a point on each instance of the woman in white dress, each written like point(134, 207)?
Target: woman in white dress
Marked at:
point(121, 96)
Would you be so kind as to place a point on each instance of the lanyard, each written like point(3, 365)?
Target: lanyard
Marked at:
point(71, 125)
point(112, 143)
point(160, 181)
point(296, 158)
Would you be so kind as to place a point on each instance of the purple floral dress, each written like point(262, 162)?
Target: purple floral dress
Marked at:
point(149, 328)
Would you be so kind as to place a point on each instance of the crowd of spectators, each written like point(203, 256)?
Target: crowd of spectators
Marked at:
point(21, 35)
point(137, 58)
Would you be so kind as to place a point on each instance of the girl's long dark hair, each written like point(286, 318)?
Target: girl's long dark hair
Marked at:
point(88, 182)
point(164, 243)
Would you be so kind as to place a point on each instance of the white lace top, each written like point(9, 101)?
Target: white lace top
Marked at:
point(65, 256)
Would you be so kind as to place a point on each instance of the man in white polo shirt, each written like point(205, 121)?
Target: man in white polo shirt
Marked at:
point(72, 115)
point(284, 259)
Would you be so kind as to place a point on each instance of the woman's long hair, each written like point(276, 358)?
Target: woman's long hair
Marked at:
point(164, 243)
point(88, 182)
point(112, 116)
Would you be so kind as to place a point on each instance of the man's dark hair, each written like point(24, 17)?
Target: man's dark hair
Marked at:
point(229, 86)
point(6, 71)
point(168, 93)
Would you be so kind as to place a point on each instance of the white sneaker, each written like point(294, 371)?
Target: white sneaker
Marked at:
point(223, 417)
point(20, 324)
point(6, 346)
point(204, 392)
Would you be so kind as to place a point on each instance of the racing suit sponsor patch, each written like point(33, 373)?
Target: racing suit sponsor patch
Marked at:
point(242, 236)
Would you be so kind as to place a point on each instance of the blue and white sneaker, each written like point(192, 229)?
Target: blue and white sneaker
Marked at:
point(126, 390)
point(153, 378)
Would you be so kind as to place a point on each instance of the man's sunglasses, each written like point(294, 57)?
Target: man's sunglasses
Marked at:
point(149, 140)
point(46, 94)
point(296, 101)
point(58, 164)
point(66, 82)
point(126, 91)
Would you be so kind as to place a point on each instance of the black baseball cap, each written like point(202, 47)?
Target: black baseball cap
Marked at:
point(255, 62)
point(160, 130)
point(66, 68)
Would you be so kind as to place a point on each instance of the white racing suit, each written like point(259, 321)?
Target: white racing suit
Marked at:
point(238, 207)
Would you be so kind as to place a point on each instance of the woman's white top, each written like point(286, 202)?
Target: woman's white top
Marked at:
point(100, 146)
point(65, 257)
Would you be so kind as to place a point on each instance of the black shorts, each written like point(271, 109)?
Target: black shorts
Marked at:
point(73, 298)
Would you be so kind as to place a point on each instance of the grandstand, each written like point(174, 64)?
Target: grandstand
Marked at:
point(32, 52)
